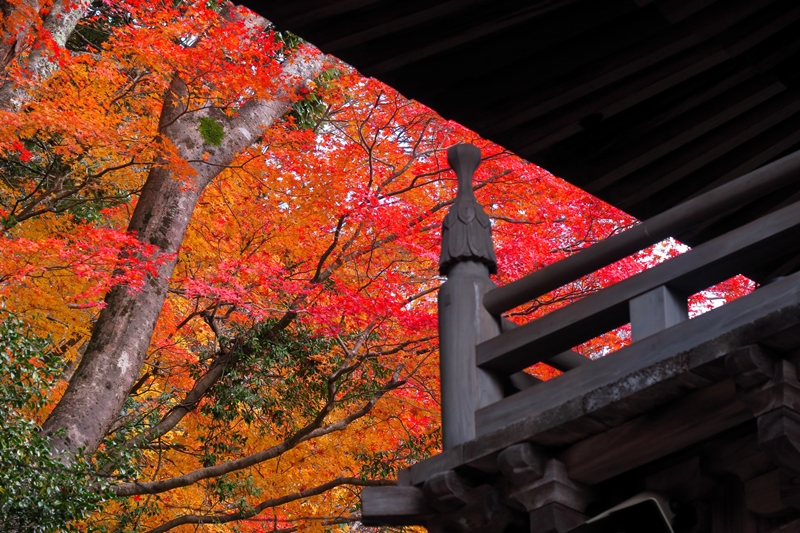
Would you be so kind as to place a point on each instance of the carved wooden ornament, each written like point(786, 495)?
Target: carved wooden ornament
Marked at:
point(466, 230)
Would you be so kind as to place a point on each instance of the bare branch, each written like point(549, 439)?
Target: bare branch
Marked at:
point(330, 248)
point(267, 504)
point(515, 220)
point(311, 431)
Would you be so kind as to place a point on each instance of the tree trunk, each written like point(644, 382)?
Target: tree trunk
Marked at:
point(122, 333)
point(59, 24)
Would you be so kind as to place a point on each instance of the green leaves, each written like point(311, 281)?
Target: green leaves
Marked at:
point(309, 111)
point(26, 368)
point(97, 26)
point(384, 464)
point(38, 493)
point(211, 131)
point(268, 373)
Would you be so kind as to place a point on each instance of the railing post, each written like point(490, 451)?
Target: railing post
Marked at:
point(656, 310)
point(467, 259)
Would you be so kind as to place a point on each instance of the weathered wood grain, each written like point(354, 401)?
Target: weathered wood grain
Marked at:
point(560, 412)
point(636, 368)
point(656, 434)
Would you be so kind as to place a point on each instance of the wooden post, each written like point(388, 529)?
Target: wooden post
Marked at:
point(656, 310)
point(467, 259)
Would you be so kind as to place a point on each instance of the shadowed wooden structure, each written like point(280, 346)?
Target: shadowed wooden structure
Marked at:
point(685, 113)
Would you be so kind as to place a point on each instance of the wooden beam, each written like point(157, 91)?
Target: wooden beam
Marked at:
point(299, 13)
point(482, 29)
point(738, 455)
point(614, 69)
point(678, 10)
point(763, 494)
point(544, 132)
point(656, 434)
point(568, 360)
point(716, 144)
point(597, 313)
point(682, 130)
point(761, 27)
point(447, 460)
point(764, 148)
point(624, 64)
point(791, 527)
point(394, 506)
point(397, 24)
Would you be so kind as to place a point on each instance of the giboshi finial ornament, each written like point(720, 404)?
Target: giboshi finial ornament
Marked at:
point(466, 229)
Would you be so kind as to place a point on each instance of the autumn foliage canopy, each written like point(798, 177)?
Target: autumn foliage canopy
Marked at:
point(278, 217)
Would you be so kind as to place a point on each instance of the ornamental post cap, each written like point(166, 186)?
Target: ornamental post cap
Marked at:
point(466, 229)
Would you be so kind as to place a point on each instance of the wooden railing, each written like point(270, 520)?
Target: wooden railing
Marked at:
point(669, 223)
point(480, 352)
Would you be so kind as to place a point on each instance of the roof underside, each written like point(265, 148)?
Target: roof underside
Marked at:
point(643, 103)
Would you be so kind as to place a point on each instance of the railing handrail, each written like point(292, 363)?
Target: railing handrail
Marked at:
point(682, 217)
point(769, 236)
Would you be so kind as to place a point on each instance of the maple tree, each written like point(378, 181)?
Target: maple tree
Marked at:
point(231, 242)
